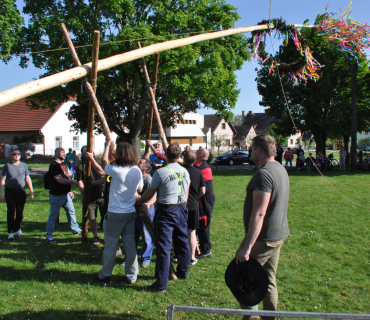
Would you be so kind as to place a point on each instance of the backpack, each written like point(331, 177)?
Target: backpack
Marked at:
point(47, 180)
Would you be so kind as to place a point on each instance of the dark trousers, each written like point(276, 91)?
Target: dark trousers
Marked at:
point(207, 202)
point(104, 208)
point(171, 224)
point(15, 201)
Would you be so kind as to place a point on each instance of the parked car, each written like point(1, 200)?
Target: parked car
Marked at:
point(233, 157)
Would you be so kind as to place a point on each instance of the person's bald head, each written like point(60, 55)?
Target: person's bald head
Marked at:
point(202, 154)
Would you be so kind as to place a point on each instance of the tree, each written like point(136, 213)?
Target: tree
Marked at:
point(237, 121)
point(322, 107)
point(10, 26)
point(219, 141)
point(363, 142)
point(189, 77)
point(280, 139)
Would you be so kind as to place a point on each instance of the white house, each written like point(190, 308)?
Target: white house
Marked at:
point(187, 132)
point(52, 129)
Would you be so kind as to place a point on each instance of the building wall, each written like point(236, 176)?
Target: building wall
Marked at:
point(292, 140)
point(227, 132)
point(187, 133)
point(248, 139)
point(187, 129)
point(60, 126)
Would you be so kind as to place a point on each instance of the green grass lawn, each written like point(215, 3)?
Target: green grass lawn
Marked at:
point(324, 265)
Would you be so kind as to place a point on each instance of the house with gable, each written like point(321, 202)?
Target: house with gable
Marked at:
point(257, 123)
point(220, 128)
point(51, 128)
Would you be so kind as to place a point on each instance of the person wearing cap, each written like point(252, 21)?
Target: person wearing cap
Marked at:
point(172, 186)
point(265, 216)
point(14, 177)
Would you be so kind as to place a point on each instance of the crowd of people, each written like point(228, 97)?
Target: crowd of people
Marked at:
point(175, 191)
point(320, 161)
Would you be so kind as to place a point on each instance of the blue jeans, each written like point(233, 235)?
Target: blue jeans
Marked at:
point(141, 230)
point(288, 161)
point(56, 202)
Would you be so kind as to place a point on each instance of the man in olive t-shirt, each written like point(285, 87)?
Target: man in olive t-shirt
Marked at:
point(265, 216)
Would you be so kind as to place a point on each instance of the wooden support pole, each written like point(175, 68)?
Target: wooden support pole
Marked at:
point(144, 215)
point(150, 115)
point(162, 135)
point(36, 86)
point(90, 136)
point(88, 88)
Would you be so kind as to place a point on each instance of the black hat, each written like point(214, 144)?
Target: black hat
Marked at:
point(248, 281)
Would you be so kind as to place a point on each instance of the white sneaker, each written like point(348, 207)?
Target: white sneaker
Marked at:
point(19, 233)
point(11, 236)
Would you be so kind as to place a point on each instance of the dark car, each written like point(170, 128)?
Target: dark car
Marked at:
point(233, 157)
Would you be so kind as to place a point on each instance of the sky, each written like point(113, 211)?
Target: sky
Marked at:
point(251, 12)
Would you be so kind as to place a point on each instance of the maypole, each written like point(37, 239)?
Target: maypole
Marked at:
point(30, 88)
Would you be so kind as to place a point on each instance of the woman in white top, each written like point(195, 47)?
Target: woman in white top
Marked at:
point(126, 179)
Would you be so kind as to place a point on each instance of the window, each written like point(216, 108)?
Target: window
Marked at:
point(190, 142)
point(58, 142)
point(291, 141)
point(194, 121)
point(76, 144)
point(223, 125)
point(186, 121)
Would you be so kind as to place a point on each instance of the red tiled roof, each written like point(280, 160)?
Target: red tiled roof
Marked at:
point(17, 116)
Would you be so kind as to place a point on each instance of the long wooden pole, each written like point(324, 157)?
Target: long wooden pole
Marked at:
point(36, 86)
point(88, 87)
point(150, 115)
point(144, 215)
point(90, 136)
point(153, 103)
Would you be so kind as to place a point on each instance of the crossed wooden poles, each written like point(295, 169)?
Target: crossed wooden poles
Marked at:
point(94, 106)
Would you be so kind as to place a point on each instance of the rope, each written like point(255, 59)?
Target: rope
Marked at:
point(297, 131)
point(110, 42)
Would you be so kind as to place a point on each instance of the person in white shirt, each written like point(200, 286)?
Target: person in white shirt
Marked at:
point(126, 180)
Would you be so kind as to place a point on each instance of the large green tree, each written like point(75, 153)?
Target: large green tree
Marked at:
point(10, 27)
point(322, 107)
point(190, 77)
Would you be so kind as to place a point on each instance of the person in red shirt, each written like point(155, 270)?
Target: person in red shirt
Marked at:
point(288, 156)
point(207, 203)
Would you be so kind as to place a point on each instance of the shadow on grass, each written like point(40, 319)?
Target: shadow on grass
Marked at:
point(11, 274)
point(59, 314)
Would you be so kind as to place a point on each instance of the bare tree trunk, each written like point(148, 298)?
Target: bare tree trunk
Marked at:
point(320, 139)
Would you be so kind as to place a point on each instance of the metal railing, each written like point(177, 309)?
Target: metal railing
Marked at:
point(245, 312)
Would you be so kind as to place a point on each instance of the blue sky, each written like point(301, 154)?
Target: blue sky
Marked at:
point(251, 12)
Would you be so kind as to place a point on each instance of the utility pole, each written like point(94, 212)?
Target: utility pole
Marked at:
point(353, 69)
